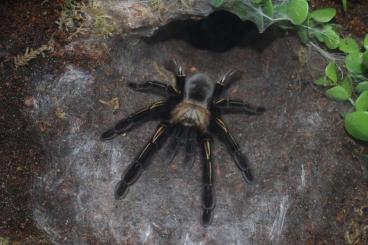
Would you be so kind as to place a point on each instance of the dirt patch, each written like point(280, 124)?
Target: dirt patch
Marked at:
point(23, 24)
point(27, 24)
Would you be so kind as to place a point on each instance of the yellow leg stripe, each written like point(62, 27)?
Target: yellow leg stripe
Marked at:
point(144, 150)
point(221, 124)
point(219, 101)
point(158, 133)
point(157, 104)
point(207, 149)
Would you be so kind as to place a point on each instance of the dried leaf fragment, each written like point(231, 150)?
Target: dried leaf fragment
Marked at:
point(28, 101)
point(113, 103)
point(44, 126)
point(59, 113)
point(30, 54)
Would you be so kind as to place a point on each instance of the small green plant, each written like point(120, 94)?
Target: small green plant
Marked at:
point(74, 14)
point(344, 5)
point(351, 84)
point(104, 24)
point(71, 16)
point(344, 82)
point(353, 87)
point(4, 240)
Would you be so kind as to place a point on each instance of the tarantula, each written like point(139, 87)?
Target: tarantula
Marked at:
point(192, 109)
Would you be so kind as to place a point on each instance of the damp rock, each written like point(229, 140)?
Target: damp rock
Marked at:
point(144, 17)
point(302, 163)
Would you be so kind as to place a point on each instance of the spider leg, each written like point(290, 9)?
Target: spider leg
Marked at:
point(174, 143)
point(225, 82)
point(190, 147)
point(220, 129)
point(175, 67)
point(135, 119)
point(208, 195)
point(237, 106)
point(183, 136)
point(141, 162)
point(154, 87)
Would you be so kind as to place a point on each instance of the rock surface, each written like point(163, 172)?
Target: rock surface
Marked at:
point(305, 175)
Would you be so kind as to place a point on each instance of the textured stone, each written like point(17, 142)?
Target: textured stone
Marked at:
point(302, 162)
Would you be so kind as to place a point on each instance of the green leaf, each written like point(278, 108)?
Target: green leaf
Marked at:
point(349, 45)
point(241, 10)
point(258, 19)
point(322, 81)
point(330, 37)
point(347, 84)
point(362, 86)
point(257, 1)
point(303, 35)
point(356, 125)
point(365, 59)
point(344, 5)
point(353, 62)
point(217, 3)
point(338, 28)
point(361, 104)
point(297, 10)
point(331, 72)
point(338, 93)
point(365, 42)
point(280, 9)
point(323, 15)
point(268, 8)
point(319, 34)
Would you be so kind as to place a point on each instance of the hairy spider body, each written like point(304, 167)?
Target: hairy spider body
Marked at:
point(192, 113)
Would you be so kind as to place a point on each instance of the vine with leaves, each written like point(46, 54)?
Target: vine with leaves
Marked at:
point(343, 82)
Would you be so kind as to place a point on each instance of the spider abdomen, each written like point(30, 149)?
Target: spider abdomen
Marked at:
point(191, 114)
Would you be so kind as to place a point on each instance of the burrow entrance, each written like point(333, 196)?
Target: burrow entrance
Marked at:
point(218, 32)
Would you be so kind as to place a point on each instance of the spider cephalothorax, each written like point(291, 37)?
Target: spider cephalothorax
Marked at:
point(192, 110)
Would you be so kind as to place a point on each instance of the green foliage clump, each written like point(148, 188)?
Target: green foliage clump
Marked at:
point(71, 16)
point(347, 82)
point(354, 85)
point(4, 240)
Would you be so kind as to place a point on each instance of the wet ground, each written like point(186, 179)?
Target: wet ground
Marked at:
point(23, 24)
point(308, 188)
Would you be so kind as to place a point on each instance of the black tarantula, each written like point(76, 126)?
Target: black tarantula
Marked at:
point(192, 109)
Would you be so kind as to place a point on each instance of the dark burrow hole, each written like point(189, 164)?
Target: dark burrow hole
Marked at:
point(218, 32)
